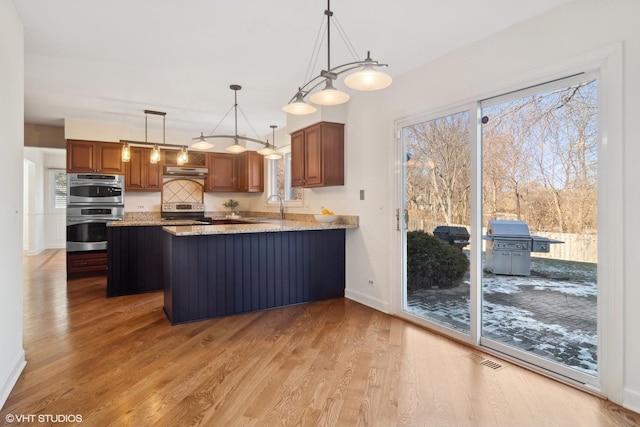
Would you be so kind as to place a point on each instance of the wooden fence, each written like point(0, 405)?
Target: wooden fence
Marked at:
point(576, 247)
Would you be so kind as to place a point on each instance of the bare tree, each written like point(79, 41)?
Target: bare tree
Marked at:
point(441, 152)
point(539, 162)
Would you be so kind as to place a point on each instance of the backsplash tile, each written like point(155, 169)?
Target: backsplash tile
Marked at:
point(182, 190)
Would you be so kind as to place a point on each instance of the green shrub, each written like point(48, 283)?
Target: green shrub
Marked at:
point(433, 263)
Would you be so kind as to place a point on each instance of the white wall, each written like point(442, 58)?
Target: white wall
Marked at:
point(12, 359)
point(502, 62)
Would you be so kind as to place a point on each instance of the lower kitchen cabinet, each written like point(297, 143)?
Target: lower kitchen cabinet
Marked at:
point(216, 275)
point(81, 264)
point(134, 260)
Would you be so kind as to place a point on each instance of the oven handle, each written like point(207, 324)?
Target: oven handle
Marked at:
point(92, 219)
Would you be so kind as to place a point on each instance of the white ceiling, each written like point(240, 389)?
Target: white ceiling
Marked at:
point(110, 60)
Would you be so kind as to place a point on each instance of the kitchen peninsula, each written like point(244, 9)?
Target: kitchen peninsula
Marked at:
point(208, 271)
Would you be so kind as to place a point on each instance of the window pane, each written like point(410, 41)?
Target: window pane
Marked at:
point(60, 189)
point(539, 282)
point(437, 203)
point(279, 175)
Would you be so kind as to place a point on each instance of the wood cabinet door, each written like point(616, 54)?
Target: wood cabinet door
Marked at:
point(140, 174)
point(313, 155)
point(242, 172)
point(153, 173)
point(332, 154)
point(297, 159)
point(256, 172)
point(109, 157)
point(81, 156)
point(222, 172)
point(134, 170)
point(250, 172)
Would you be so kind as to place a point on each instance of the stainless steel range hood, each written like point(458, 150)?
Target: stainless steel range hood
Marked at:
point(178, 171)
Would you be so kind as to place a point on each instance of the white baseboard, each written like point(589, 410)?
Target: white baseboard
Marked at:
point(631, 400)
point(375, 303)
point(12, 377)
point(56, 245)
point(34, 252)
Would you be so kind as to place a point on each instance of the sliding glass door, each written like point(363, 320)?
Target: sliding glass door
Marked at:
point(437, 212)
point(524, 281)
point(539, 210)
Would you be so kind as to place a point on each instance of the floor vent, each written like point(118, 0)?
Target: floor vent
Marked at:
point(480, 360)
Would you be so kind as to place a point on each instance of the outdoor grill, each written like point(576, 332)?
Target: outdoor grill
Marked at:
point(509, 247)
point(456, 236)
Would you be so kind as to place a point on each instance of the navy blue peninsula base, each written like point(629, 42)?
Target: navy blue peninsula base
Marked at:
point(212, 275)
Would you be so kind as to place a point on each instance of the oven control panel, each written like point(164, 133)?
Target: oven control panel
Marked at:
point(182, 207)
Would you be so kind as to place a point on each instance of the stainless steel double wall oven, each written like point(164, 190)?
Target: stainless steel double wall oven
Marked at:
point(93, 200)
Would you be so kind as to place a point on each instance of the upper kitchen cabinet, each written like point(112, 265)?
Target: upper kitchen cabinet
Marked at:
point(196, 158)
point(250, 172)
point(222, 172)
point(317, 155)
point(94, 157)
point(140, 174)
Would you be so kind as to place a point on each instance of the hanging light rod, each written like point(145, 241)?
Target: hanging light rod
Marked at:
point(155, 155)
point(368, 78)
point(157, 113)
point(235, 148)
point(150, 144)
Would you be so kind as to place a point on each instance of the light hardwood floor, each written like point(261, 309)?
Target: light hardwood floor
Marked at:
point(333, 363)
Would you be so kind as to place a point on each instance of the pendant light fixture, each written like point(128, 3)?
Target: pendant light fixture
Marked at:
point(272, 153)
point(183, 156)
point(155, 151)
point(366, 78)
point(155, 156)
point(235, 147)
point(298, 107)
point(202, 143)
point(126, 152)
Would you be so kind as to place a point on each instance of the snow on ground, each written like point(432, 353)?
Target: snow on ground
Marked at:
point(551, 313)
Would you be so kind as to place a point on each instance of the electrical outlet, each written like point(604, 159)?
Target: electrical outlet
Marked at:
point(371, 282)
point(140, 206)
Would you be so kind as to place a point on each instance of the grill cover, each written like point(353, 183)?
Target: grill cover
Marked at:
point(505, 228)
point(450, 233)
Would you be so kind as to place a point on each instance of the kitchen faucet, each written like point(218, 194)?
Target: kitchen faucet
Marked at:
point(278, 198)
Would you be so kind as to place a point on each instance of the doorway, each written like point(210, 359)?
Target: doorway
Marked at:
point(535, 153)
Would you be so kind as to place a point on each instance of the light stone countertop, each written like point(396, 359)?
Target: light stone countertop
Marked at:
point(261, 226)
point(265, 222)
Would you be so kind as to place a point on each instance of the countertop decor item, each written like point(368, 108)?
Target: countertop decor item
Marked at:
point(326, 220)
point(231, 205)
